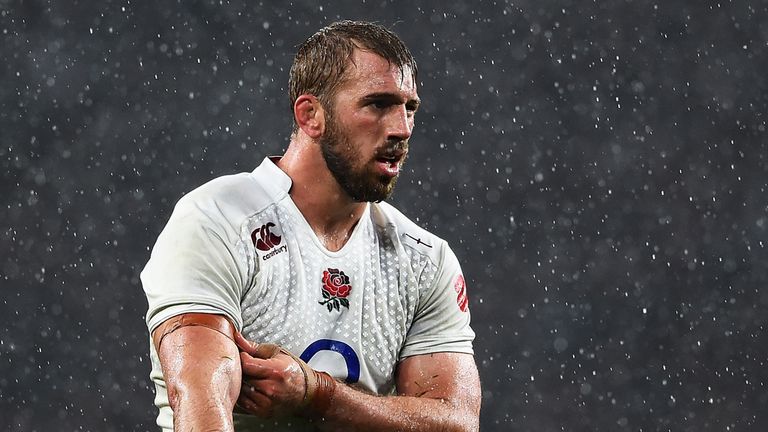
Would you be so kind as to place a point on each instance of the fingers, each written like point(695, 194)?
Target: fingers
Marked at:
point(272, 386)
point(243, 343)
point(258, 350)
point(266, 350)
point(254, 402)
point(255, 367)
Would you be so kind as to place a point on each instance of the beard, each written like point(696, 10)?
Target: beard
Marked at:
point(363, 183)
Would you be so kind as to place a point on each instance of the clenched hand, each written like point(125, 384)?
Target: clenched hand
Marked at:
point(277, 383)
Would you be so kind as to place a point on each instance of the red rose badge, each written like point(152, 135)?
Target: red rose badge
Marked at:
point(336, 288)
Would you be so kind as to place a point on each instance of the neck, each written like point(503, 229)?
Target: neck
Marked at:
point(328, 209)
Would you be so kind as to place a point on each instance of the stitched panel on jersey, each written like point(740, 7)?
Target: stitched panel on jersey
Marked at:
point(424, 272)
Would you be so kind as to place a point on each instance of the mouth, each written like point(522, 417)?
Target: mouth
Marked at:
point(389, 162)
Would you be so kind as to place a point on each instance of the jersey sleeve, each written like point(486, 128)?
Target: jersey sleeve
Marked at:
point(194, 267)
point(441, 322)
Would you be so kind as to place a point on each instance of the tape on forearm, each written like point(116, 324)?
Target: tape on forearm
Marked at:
point(210, 321)
point(321, 394)
point(318, 389)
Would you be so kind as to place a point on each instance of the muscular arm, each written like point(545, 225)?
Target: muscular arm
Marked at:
point(436, 392)
point(202, 372)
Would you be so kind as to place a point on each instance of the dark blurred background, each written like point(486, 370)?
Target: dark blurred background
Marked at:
point(600, 169)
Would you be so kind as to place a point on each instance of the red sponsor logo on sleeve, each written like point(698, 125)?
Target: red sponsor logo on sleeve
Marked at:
point(461, 290)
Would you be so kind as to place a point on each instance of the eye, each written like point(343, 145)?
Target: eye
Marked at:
point(379, 104)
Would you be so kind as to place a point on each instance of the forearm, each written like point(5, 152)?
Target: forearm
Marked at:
point(200, 401)
point(188, 416)
point(201, 368)
point(436, 392)
point(353, 410)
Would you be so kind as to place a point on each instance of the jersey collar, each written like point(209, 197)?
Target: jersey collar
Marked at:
point(273, 175)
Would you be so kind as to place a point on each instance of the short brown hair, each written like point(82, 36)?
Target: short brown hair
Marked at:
point(321, 61)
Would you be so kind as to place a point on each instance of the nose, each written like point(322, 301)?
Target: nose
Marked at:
point(400, 123)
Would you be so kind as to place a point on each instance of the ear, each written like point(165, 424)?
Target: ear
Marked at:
point(309, 115)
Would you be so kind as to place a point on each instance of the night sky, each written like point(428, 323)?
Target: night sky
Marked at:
point(599, 168)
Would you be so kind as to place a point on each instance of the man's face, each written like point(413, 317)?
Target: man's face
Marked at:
point(368, 125)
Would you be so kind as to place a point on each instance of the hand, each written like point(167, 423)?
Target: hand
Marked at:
point(275, 382)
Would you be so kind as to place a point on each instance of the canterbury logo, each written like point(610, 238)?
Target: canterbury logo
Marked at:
point(264, 239)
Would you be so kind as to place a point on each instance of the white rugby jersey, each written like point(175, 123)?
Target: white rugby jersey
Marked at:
point(239, 246)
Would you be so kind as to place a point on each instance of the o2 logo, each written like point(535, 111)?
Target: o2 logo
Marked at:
point(346, 351)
